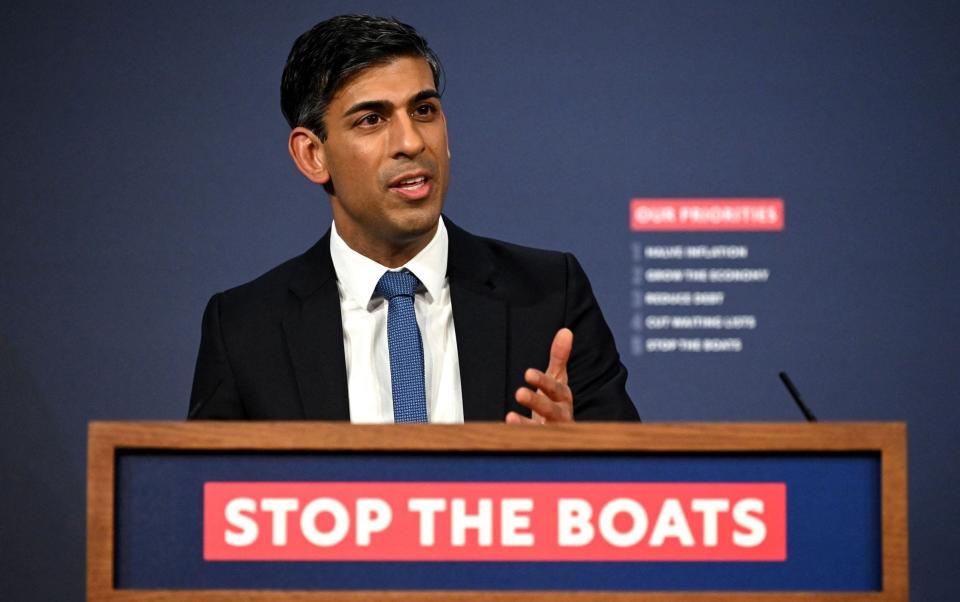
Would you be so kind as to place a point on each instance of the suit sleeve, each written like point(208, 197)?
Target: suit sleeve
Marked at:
point(597, 377)
point(214, 394)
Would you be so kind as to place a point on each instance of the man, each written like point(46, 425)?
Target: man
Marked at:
point(396, 314)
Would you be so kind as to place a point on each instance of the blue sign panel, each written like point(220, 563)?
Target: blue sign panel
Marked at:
point(832, 521)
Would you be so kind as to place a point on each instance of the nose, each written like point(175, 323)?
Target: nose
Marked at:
point(406, 138)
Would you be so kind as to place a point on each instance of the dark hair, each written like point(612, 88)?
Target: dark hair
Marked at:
point(323, 59)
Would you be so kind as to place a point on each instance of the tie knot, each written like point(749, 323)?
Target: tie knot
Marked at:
point(393, 284)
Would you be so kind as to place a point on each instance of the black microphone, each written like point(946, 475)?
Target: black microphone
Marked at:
point(796, 397)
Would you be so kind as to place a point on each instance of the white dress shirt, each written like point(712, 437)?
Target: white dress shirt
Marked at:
point(364, 316)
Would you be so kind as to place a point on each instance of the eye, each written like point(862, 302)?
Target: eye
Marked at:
point(369, 120)
point(425, 110)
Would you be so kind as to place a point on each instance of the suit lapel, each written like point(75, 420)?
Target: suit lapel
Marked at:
point(480, 320)
point(314, 333)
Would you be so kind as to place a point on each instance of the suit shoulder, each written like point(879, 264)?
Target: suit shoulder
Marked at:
point(523, 268)
point(268, 294)
point(273, 279)
point(519, 253)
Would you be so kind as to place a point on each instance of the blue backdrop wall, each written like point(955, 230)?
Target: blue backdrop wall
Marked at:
point(143, 168)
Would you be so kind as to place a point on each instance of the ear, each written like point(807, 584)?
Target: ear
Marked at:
point(308, 154)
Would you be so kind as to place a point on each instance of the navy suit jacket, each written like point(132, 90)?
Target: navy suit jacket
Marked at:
point(272, 349)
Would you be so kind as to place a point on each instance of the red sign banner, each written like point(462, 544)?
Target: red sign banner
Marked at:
point(440, 521)
point(682, 215)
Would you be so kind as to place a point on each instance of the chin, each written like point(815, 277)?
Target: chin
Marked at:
point(420, 220)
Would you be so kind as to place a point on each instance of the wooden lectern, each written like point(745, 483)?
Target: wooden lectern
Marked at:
point(217, 511)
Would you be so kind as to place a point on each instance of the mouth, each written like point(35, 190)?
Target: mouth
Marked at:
point(412, 186)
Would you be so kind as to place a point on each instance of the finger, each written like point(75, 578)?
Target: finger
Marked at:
point(548, 385)
point(560, 353)
point(549, 410)
point(515, 418)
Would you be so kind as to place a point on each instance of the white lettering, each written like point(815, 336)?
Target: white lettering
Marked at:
point(511, 522)
point(608, 517)
point(663, 275)
point(671, 523)
point(373, 516)
point(743, 515)
point(460, 521)
point(722, 345)
point(279, 507)
point(659, 252)
point(236, 516)
point(710, 508)
point(427, 507)
point(661, 345)
point(744, 275)
point(308, 522)
point(645, 214)
point(573, 522)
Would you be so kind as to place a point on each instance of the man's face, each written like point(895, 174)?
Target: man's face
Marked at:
point(387, 156)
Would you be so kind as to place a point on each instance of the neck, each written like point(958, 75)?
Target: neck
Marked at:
point(388, 253)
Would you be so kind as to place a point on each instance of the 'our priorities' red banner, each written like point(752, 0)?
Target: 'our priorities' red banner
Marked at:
point(681, 215)
point(439, 521)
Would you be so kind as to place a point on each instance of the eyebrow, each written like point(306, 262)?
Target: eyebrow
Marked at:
point(382, 105)
point(426, 94)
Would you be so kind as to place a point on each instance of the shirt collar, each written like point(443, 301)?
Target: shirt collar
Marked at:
point(358, 275)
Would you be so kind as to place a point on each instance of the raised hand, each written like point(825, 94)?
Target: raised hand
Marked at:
point(549, 397)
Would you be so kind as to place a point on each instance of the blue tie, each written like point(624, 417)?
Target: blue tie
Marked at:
point(406, 348)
